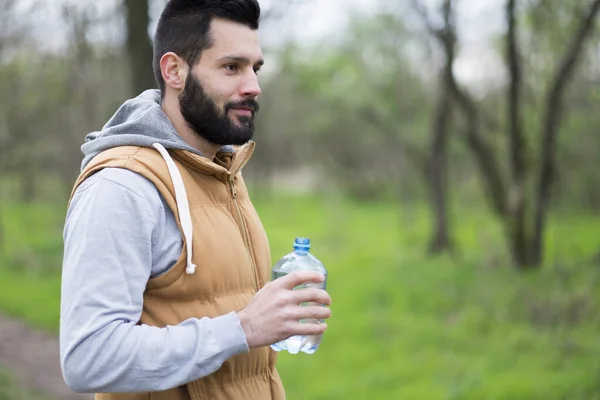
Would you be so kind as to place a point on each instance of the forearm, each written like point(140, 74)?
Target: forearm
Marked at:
point(123, 357)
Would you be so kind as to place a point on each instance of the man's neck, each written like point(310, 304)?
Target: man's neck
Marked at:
point(171, 110)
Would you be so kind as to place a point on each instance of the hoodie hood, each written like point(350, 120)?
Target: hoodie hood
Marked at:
point(138, 122)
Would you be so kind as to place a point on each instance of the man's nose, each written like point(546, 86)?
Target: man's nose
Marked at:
point(250, 86)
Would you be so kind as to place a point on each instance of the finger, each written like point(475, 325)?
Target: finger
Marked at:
point(313, 295)
point(307, 328)
point(296, 278)
point(311, 312)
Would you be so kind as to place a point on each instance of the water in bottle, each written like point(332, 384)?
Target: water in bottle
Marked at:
point(300, 259)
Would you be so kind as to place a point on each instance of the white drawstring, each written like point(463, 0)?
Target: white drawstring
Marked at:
point(183, 206)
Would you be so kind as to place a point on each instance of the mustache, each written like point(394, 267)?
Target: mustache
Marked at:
point(248, 103)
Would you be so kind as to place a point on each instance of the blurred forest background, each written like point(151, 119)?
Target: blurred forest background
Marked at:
point(443, 155)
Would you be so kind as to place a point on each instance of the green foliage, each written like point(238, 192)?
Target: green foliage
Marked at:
point(363, 109)
point(403, 326)
point(364, 101)
point(54, 101)
point(359, 106)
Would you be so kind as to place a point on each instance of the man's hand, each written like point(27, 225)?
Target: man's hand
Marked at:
point(274, 312)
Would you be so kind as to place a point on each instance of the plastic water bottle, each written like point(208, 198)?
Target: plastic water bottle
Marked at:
point(300, 260)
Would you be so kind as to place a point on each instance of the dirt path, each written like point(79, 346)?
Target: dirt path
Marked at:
point(32, 357)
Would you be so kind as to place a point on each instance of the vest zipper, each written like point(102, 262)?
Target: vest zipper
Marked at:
point(244, 231)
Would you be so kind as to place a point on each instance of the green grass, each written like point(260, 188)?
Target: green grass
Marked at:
point(30, 261)
point(10, 391)
point(404, 326)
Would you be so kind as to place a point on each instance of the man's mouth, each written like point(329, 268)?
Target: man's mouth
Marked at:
point(244, 111)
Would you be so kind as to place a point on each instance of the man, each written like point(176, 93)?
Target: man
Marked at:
point(166, 263)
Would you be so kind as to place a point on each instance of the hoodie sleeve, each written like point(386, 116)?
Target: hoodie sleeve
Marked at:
point(113, 220)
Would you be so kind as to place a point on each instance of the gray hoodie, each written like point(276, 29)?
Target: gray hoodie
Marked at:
point(119, 233)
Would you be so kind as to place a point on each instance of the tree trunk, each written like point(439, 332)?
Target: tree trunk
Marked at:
point(27, 183)
point(552, 119)
point(438, 178)
point(3, 245)
point(438, 159)
point(139, 46)
point(516, 217)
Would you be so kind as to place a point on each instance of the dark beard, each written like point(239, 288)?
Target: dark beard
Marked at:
point(204, 118)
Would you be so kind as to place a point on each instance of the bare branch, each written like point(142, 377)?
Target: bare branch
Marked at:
point(517, 160)
point(413, 152)
point(422, 11)
point(278, 10)
point(446, 37)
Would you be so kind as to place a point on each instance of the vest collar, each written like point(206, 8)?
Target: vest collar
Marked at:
point(226, 164)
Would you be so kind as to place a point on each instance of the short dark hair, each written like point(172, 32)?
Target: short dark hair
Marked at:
point(184, 27)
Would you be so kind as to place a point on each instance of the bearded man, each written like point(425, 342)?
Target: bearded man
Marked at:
point(165, 283)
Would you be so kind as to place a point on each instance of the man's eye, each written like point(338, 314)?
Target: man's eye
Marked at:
point(231, 67)
point(256, 70)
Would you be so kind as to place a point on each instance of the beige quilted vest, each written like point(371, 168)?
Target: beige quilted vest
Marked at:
point(229, 261)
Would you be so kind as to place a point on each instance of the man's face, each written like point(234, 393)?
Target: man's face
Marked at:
point(219, 99)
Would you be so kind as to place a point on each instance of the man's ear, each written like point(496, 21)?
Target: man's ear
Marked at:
point(174, 70)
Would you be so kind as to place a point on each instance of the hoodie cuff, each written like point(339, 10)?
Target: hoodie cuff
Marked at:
point(233, 340)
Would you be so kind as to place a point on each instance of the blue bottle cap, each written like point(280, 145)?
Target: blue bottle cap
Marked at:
point(302, 241)
point(302, 244)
